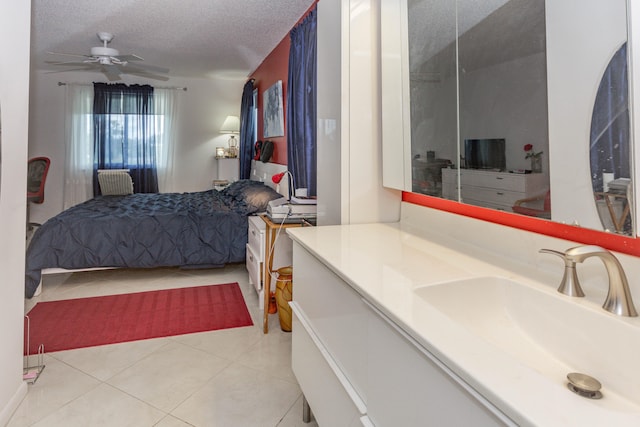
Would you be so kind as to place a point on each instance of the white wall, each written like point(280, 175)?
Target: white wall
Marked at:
point(434, 125)
point(202, 109)
point(350, 187)
point(506, 101)
point(14, 110)
point(329, 93)
point(368, 200)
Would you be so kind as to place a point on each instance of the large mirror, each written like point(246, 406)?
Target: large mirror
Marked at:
point(516, 105)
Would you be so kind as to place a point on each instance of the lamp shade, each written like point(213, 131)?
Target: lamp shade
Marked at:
point(277, 177)
point(231, 125)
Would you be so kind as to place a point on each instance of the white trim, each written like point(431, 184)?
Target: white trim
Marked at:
point(7, 412)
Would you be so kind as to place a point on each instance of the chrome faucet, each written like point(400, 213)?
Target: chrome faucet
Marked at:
point(618, 299)
point(569, 285)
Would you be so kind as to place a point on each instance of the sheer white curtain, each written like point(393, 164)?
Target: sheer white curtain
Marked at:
point(166, 109)
point(78, 169)
point(78, 182)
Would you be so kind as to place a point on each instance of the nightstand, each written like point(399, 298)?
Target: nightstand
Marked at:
point(259, 254)
point(228, 168)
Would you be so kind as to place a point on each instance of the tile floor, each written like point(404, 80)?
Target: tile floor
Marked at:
point(235, 377)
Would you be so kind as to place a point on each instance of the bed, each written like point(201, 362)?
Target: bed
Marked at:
point(203, 229)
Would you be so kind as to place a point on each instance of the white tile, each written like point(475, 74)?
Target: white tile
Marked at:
point(227, 343)
point(105, 361)
point(170, 421)
point(168, 376)
point(58, 385)
point(103, 406)
point(294, 417)
point(235, 377)
point(272, 354)
point(239, 396)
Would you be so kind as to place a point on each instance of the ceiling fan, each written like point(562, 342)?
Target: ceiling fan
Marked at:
point(111, 63)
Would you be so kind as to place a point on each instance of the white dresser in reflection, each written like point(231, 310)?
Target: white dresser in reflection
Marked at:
point(490, 189)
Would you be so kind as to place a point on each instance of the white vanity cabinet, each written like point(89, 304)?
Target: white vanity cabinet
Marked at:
point(329, 342)
point(408, 386)
point(356, 367)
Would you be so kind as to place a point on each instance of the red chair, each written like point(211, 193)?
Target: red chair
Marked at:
point(36, 178)
point(528, 206)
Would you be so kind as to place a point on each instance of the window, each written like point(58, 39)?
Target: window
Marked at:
point(126, 135)
point(122, 126)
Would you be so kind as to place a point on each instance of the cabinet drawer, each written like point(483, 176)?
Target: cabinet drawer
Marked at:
point(254, 267)
point(504, 181)
point(408, 386)
point(256, 236)
point(491, 196)
point(329, 394)
point(337, 313)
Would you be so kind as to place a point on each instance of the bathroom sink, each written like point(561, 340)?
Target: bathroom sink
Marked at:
point(544, 330)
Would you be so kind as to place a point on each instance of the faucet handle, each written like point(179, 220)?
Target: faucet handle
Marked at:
point(569, 285)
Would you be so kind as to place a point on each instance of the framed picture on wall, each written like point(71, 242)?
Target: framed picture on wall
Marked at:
point(273, 111)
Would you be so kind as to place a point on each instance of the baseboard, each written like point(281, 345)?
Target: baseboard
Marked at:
point(12, 405)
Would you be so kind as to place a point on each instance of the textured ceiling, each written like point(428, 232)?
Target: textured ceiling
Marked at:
point(193, 38)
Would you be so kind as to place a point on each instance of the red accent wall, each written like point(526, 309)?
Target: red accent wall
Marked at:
point(274, 67)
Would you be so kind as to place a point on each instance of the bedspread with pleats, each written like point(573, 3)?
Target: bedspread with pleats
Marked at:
point(200, 229)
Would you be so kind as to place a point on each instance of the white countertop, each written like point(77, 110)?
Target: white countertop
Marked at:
point(386, 262)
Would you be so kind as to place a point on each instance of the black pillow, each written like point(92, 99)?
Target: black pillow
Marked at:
point(266, 151)
point(250, 196)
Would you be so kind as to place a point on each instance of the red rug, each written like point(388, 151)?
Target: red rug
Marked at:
point(87, 322)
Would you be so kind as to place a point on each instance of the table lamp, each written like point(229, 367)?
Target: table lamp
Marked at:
point(278, 177)
point(231, 125)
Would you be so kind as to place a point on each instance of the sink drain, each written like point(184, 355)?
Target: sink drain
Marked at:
point(584, 385)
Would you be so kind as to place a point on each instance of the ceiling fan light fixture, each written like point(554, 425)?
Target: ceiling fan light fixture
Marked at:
point(104, 51)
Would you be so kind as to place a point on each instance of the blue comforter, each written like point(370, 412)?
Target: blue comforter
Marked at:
point(202, 229)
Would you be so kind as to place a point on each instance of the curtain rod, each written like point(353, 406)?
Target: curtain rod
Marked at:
point(158, 87)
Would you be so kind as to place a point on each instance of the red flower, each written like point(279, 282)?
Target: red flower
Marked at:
point(528, 147)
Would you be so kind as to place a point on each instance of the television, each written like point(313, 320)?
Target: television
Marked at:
point(485, 154)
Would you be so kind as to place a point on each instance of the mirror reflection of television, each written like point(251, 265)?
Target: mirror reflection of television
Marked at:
point(485, 154)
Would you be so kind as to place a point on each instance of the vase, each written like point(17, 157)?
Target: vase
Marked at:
point(284, 292)
point(536, 164)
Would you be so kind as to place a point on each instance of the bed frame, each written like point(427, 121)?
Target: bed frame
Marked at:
point(259, 172)
point(264, 171)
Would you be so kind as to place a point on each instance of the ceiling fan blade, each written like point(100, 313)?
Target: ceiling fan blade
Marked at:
point(111, 71)
point(147, 67)
point(64, 63)
point(71, 54)
point(87, 68)
point(131, 57)
point(72, 63)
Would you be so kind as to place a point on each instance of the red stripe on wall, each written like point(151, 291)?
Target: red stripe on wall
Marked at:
point(610, 241)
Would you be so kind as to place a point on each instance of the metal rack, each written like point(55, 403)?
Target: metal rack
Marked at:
point(31, 373)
